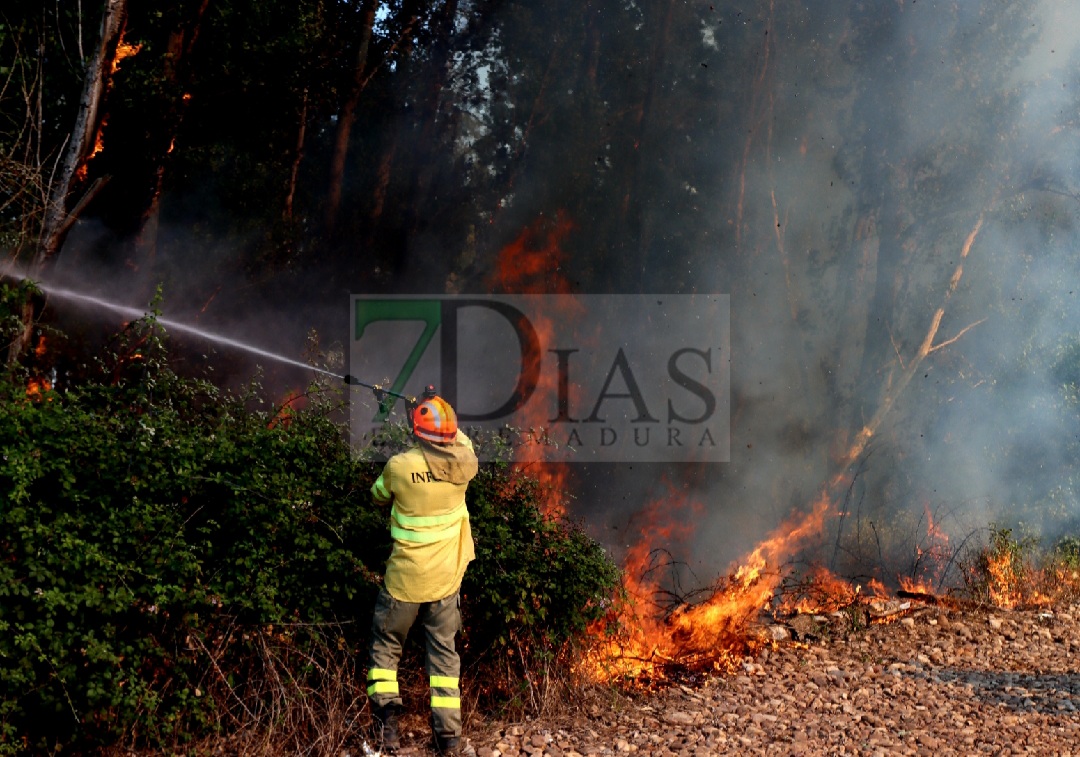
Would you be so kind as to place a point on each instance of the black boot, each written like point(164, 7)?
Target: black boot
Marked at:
point(386, 727)
point(453, 746)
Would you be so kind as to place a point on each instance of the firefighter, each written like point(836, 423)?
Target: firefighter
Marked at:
point(432, 545)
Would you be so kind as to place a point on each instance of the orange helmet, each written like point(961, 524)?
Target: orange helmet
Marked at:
point(434, 420)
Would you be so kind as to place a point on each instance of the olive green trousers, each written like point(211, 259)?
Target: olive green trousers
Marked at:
point(389, 628)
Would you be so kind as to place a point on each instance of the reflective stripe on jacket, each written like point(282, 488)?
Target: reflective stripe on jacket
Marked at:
point(429, 522)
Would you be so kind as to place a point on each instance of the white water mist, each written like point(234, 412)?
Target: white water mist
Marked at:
point(168, 323)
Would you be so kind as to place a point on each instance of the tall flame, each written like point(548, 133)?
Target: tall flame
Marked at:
point(123, 51)
point(532, 264)
point(717, 632)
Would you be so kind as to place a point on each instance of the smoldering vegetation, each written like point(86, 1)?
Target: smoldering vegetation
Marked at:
point(887, 191)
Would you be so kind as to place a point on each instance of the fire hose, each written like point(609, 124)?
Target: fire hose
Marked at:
point(381, 394)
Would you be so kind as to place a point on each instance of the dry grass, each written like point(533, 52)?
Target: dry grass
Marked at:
point(296, 698)
point(304, 694)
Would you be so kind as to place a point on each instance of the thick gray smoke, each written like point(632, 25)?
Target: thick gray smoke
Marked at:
point(826, 164)
point(877, 142)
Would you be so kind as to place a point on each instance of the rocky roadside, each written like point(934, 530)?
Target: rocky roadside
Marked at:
point(931, 681)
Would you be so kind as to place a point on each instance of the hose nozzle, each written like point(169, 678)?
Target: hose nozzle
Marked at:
point(380, 393)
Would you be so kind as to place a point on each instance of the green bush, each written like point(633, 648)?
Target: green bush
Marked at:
point(141, 517)
point(536, 583)
point(155, 533)
point(1067, 552)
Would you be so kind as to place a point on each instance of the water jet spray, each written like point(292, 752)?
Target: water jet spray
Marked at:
point(130, 312)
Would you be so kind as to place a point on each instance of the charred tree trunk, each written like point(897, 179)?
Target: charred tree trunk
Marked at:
point(633, 211)
point(382, 181)
point(348, 116)
point(58, 217)
point(177, 77)
point(298, 156)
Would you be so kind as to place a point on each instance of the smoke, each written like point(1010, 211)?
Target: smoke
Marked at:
point(876, 140)
point(825, 165)
point(201, 288)
point(888, 139)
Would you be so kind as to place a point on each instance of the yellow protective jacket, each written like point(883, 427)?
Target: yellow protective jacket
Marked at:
point(429, 521)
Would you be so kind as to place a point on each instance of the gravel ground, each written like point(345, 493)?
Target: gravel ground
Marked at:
point(932, 681)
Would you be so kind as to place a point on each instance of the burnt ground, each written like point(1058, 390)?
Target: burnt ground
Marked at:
point(930, 681)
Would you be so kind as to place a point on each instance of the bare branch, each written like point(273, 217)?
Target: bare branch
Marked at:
point(963, 331)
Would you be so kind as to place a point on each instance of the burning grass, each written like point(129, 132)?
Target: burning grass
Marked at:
point(1013, 572)
point(653, 636)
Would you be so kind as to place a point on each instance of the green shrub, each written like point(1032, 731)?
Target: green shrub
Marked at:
point(1067, 552)
point(1061, 570)
point(157, 536)
point(536, 584)
point(142, 515)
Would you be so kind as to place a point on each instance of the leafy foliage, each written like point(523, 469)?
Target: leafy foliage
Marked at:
point(140, 512)
point(530, 567)
point(157, 536)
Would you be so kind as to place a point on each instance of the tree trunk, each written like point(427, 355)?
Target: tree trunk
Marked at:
point(26, 315)
point(635, 215)
point(177, 76)
point(348, 116)
point(298, 155)
point(430, 145)
point(58, 220)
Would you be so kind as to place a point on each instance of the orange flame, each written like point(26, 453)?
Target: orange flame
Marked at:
point(99, 145)
point(293, 402)
point(123, 52)
point(1004, 592)
point(877, 589)
point(713, 633)
point(932, 555)
point(820, 591)
point(916, 586)
point(37, 388)
point(532, 264)
point(785, 540)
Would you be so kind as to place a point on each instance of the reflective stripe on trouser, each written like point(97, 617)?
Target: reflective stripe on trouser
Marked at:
point(382, 681)
point(445, 704)
point(389, 629)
